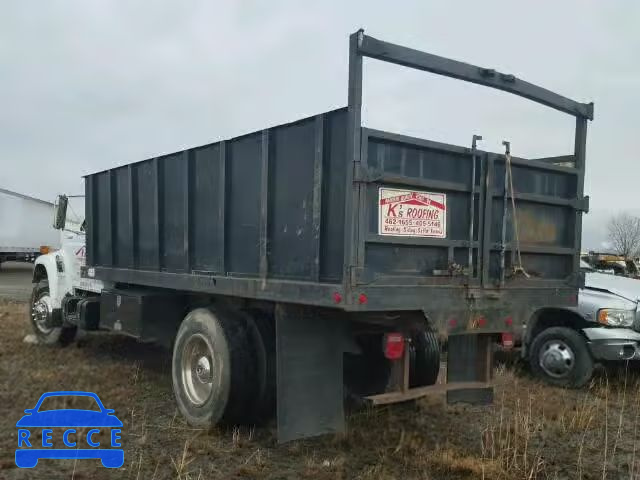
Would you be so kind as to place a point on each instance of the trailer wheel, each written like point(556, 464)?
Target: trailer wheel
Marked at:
point(41, 315)
point(560, 356)
point(213, 380)
point(424, 366)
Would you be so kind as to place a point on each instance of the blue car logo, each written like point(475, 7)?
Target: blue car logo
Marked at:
point(68, 424)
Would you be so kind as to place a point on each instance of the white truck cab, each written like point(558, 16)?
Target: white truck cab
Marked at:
point(57, 278)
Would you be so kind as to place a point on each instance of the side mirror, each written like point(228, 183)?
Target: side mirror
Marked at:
point(60, 212)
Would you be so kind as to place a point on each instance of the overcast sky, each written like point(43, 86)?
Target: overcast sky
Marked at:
point(86, 85)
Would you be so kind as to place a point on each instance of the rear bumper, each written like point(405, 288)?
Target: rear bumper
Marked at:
point(613, 344)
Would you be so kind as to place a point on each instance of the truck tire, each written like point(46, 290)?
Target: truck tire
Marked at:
point(424, 366)
point(212, 368)
point(560, 356)
point(262, 340)
point(41, 314)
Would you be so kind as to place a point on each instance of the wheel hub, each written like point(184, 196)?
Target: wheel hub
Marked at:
point(41, 314)
point(197, 369)
point(203, 370)
point(556, 358)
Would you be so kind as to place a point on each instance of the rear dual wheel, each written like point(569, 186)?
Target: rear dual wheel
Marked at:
point(369, 372)
point(425, 359)
point(223, 367)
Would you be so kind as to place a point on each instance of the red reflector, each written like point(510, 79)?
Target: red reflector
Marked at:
point(362, 299)
point(482, 322)
point(337, 297)
point(507, 340)
point(453, 323)
point(508, 321)
point(393, 346)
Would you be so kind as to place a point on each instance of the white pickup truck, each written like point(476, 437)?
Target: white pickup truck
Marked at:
point(604, 327)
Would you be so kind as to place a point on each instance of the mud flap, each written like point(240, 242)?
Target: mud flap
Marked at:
point(470, 359)
point(309, 350)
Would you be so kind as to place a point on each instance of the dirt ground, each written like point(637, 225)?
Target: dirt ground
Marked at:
point(532, 431)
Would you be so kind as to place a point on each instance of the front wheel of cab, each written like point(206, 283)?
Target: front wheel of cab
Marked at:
point(41, 315)
point(210, 370)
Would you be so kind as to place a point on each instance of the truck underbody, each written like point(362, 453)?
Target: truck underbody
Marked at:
point(311, 359)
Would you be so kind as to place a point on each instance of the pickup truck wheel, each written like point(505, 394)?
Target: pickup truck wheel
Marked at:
point(212, 368)
point(560, 356)
point(41, 316)
point(424, 366)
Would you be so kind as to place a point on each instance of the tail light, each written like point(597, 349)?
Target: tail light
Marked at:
point(393, 346)
point(507, 340)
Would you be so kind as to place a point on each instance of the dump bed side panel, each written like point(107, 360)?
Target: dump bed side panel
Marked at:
point(265, 205)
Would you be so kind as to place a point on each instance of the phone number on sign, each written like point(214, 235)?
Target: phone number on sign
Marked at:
point(405, 222)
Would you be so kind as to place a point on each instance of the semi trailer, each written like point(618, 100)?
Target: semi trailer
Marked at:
point(25, 227)
point(304, 266)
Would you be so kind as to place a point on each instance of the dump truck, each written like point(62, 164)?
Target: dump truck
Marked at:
point(306, 266)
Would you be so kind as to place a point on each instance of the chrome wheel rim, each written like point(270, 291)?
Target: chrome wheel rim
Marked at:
point(40, 314)
point(197, 369)
point(556, 358)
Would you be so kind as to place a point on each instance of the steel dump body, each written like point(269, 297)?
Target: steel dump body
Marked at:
point(309, 213)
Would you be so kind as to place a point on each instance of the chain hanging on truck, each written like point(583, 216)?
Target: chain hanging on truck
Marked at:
point(516, 269)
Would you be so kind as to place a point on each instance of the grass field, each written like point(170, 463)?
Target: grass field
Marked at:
point(532, 431)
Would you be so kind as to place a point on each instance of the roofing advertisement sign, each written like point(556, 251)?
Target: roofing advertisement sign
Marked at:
point(409, 213)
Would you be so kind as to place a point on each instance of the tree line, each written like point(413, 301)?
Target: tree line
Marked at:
point(624, 234)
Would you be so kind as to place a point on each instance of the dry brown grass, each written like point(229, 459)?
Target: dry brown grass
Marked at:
point(593, 432)
point(531, 432)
